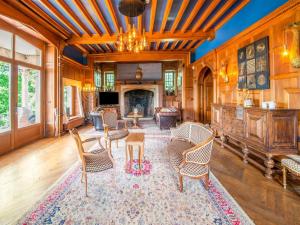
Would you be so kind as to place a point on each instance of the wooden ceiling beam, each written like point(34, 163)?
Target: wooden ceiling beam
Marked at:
point(74, 17)
point(205, 14)
point(179, 15)
point(224, 8)
point(157, 45)
point(87, 16)
point(101, 48)
point(166, 36)
point(127, 22)
point(174, 45)
point(192, 15)
point(100, 16)
point(110, 7)
point(93, 48)
point(140, 24)
point(166, 15)
point(50, 23)
point(59, 16)
point(109, 48)
point(152, 15)
point(232, 13)
point(190, 44)
point(183, 43)
point(166, 44)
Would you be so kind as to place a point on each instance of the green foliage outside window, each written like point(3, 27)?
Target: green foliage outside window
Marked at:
point(4, 95)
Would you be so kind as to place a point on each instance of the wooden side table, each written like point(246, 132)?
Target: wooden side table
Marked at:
point(135, 117)
point(134, 140)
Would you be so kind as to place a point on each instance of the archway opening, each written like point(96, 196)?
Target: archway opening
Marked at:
point(205, 83)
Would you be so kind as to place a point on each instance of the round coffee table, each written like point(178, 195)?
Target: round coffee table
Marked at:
point(135, 117)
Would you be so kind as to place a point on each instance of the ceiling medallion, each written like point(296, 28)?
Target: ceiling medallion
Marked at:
point(131, 41)
point(132, 8)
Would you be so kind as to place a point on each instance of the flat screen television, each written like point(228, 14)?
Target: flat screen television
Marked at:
point(108, 98)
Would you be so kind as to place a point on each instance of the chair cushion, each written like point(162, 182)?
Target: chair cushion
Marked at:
point(292, 165)
point(294, 157)
point(193, 170)
point(117, 134)
point(99, 162)
point(175, 150)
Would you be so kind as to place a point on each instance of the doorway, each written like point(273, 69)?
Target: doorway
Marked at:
point(206, 94)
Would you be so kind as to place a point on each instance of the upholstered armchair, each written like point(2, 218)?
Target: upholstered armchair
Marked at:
point(114, 129)
point(97, 160)
point(190, 151)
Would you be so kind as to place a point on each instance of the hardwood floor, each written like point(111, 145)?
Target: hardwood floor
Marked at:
point(27, 173)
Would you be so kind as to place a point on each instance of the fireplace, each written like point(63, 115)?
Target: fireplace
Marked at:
point(145, 97)
point(141, 99)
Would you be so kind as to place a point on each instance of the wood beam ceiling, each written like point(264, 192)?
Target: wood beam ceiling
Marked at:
point(166, 15)
point(112, 13)
point(180, 47)
point(179, 15)
point(166, 36)
point(60, 17)
point(87, 16)
point(100, 16)
point(205, 14)
point(192, 15)
point(152, 15)
point(72, 15)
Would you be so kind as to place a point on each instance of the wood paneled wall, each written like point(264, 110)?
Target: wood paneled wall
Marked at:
point(284, 79)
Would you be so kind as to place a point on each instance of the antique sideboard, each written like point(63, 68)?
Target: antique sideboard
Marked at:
point(256, 134)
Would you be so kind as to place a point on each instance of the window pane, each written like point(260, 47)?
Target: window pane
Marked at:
point(97, 78)
point(28, 96)
point(4, 96)
point(109, 80)
point(26, 52)
point(6, 43)
point(169, 80)
point(68, 100)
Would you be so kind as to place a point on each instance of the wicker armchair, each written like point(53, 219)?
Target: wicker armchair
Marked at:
point(94, 161)
point(113, 131)
point(190, 151)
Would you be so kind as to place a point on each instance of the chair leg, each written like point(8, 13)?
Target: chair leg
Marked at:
point(180, 183)
point(117, 143)
point(284, 176)
point(81, 177)
point(85, 176)
point(206, 181)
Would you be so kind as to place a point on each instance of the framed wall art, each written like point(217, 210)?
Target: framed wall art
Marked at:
point(253, 65)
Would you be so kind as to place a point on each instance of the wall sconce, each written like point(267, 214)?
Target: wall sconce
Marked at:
point(293, 51)
point(223, 72)
point(89, 88)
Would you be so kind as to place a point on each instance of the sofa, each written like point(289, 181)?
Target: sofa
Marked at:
point(190, 151)
point(166, 117)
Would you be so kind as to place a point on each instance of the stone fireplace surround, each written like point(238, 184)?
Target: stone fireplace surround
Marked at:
point(156, 89)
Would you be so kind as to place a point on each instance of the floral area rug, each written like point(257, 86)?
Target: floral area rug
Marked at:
point(133, 196)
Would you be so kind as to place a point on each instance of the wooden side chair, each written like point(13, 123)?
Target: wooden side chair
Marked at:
point(94, 161)
point(291, 164)
point(114, 129)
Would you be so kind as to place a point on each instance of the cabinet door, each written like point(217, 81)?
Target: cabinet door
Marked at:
point(255, 127)
point(283, 130)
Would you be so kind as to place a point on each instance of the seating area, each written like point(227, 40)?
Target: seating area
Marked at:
point(137, 112)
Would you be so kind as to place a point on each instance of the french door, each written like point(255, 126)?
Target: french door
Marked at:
point(20, 105)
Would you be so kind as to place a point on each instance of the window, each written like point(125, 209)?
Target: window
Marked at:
point(26, 52)
point(109, 80)
point(68, 100)
point(97, 78)
point(6, 43)
point(179, 80)
point(4, 96)
point(169, 79)
point(28, 96)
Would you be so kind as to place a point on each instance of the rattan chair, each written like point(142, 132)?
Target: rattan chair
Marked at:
point(96, 160)
point(113, 131)
point(190, 151)
point(291, 164)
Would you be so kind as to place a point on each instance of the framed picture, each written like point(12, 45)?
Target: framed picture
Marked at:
point(253, 65)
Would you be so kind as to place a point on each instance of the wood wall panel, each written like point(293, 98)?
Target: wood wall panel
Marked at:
point(284, 79)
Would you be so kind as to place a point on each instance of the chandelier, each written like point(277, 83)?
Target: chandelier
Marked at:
point(131, 41)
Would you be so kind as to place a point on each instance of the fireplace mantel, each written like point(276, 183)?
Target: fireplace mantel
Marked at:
point(156, 89)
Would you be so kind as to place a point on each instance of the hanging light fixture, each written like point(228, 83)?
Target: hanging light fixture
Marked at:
point(132, 8)
point(131, 41)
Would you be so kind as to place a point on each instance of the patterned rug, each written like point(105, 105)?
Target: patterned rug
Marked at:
point(132, 196)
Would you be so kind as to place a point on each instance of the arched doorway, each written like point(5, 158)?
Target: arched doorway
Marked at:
point(205, 83)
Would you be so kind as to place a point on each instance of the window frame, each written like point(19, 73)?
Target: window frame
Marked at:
point(106, 73)
point(166, 73)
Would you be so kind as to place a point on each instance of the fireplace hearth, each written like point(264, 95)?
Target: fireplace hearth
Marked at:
point(141, 99)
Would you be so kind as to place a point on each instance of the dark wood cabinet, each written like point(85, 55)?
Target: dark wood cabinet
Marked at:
point(256, 134)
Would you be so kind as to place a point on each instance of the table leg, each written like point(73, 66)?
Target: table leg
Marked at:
point(126, 152)
point(140, 156)
point(131, 154)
